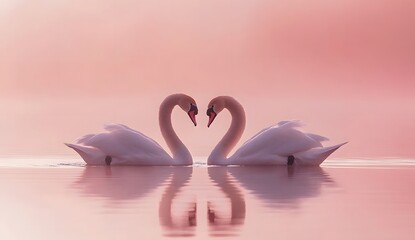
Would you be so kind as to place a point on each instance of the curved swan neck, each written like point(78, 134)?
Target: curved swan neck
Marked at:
point(180, 153)
point(232, 136)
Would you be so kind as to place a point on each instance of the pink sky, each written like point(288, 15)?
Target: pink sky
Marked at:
point(346, 68)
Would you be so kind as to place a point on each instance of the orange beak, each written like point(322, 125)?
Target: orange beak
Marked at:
point(192, 116)
point(192, 113)
point(211, 114)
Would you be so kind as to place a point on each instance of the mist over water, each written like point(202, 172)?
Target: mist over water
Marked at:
point(345, 69)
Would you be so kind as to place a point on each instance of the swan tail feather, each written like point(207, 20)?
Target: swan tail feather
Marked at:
point(317, 137)
point(110, 127)
point(84, 139)
point(91, 155)
point(290, 123)
point(316, 156)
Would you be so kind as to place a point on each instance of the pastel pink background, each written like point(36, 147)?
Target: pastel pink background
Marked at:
point(346, 68)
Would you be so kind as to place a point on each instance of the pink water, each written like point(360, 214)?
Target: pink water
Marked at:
point(55, 198)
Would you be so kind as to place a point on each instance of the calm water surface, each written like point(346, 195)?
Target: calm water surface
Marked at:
point(61, 198)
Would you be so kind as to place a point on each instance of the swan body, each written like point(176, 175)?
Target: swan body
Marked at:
point(271, 146)
point(121, 145)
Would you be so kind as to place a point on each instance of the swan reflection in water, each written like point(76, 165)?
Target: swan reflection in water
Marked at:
point(276, 187)
point(282, 187)
point(121, 183)
point(126, 183)
point(181, 225)
point(220, 225)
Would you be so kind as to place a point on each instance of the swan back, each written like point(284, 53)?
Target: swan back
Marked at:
point(281, 139)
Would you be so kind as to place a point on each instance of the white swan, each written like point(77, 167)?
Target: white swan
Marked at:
point(282, 144)
point(121, 145)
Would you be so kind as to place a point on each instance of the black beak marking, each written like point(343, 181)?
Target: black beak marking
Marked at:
point(193, 108)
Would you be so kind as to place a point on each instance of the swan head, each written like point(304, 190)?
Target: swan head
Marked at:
point(188, 105)
point(215, 106)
